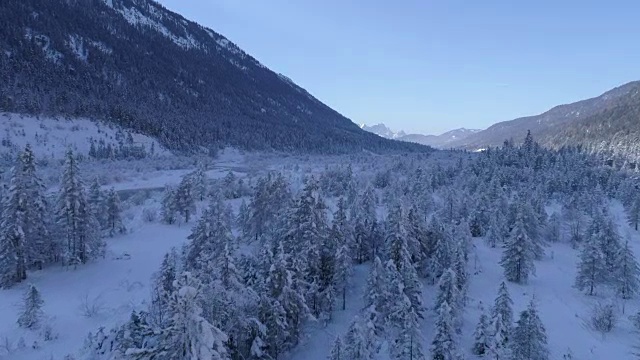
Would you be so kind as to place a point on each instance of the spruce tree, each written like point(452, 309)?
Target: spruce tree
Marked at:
point(529, 336)
point(184, 199)
point(97, 202)
point(189, 336)
point(114, 213)
point(626, 278)
point(502, 317)
point(356, 344)
point(448, 293)
point(481, 335)
point(518, 255)
point(376, 294)
point(444, 345)
point(169, 209)
point(592, 266)
point(31, 314)
point(75, 218)
point(337, 350)
point(633, 212)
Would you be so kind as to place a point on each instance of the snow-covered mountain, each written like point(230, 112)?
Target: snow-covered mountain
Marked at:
point(437, 141)
point(138, 65)
point(383, 131)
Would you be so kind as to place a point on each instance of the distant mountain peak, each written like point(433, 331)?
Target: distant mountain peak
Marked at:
point(437, 141)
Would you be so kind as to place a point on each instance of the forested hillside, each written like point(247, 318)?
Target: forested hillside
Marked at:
point(136, 64)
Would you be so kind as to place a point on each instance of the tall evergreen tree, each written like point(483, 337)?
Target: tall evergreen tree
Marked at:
point(337, 350)
point(529, 336)
point(114, 213)
point(627, 284)
point(481, 335)
point(75, 218)
point(31, 313)
point(518, 255)
point(356, 344)
point(444, 345)
point(184, 198)
point(502, 318)
point(169, 210)
point(592, 266)
point(97, 202)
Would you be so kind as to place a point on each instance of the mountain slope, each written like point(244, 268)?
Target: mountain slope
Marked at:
point(548, 125)
point(134, 63)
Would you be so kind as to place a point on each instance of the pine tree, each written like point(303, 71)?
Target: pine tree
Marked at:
point(481, 335)
point(529, 336)
point(114, 213)
point(356, 344)
point(633, 212)
point(343, 260)
point(242, 221)
point(444, 345)
point(162, 288)
point(502, 318)
point(13, 242)
point(25, 241)
point(207, 239)
point(184, 199)
point(448, 293)
point(199, 182)
point(408, 341)
point(169, 209)
point(442, 258)
point(75, 218)
point(592, 267)
point(626, 278)
point(337, 350)
point(97, 202)
point(31, 314)
point(376, 295)
point(189, 336)
point(518, 255)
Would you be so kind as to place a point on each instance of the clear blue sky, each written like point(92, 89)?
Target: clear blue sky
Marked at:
point(430, 66)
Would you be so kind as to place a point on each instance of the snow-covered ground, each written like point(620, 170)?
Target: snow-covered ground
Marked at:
point(114, 286)
point(52, 137)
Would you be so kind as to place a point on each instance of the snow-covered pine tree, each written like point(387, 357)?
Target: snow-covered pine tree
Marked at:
point(481, 335)
point(356, 344)
point(554, 227)
point(31, 313)
point(408, 339)
point(162, 288)
point(529, 336)
point(444, 345)
point(519, 253)
point(592, 266)
point(207, 239)
point(502, 317)
point(343, 262)
point(199, 182)
point(462, 274)
point(242, 220)
point(114, 213)
point(40, 246)
point(626, 280)
point(337, 350)
point(75, 219)
point(13, 242)
point(376, 294)
point(184, 198)
point(169, 210)
point(398, 251)
point(442, 258)
point(610, 244)
point(448, 293)
point(189, 336)
point(97, 202)
point(633, 212)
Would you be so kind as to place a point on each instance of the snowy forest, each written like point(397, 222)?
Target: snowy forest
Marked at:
point(269, 258)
